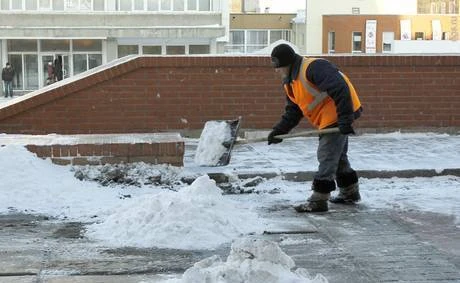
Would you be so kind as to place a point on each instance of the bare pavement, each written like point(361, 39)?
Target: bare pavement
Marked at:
point(351, 243)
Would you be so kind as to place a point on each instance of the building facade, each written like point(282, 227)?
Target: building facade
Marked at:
point(83, 34)
point(253, 32)
point(382, 26)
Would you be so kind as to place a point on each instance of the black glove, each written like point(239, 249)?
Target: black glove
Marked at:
point(275, 132)
point(346, 129)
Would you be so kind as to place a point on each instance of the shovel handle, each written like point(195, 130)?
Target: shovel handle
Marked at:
point(293, 135)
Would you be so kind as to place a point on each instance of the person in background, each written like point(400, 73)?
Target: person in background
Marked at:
point(7, 77)
point(58, 68)
point(317, 90)
point(50, 71)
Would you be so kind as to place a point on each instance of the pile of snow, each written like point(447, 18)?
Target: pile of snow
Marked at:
point(250, 260)
point(210, 147)
point(33, 185)
point(195, 217)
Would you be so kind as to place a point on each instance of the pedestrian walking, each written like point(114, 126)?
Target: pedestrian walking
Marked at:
point(7, 77)
point(317, 90)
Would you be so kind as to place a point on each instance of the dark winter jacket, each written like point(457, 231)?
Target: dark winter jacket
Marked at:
point(7, 74)
point(326, 77)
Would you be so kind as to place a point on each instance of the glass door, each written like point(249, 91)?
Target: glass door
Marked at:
point(47, 70)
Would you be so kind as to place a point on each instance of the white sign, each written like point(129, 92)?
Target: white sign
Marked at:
point(405, 30)
point(437, 31)
point(371, 34)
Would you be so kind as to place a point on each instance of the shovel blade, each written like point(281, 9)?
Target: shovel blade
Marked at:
point(216, 142)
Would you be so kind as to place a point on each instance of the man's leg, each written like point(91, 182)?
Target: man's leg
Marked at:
point(10, 88)
point(329, 151)
point(347, 181)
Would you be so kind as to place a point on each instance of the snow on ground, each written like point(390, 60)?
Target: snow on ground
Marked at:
point(160, 208)
point(250, 260)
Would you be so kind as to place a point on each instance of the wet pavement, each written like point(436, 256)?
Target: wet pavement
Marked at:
point(347, 244)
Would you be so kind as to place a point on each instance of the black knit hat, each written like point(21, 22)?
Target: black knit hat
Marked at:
point(283, 55)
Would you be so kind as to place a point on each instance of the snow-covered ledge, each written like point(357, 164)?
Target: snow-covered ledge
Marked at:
point(99, 149)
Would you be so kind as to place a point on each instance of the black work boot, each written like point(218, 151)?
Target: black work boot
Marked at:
point(347, 195)
point(317, 202)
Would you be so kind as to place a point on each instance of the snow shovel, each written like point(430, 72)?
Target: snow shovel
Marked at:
point(218, 138)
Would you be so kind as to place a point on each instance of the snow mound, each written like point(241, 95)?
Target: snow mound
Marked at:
point(195, 217)
point(250, 260)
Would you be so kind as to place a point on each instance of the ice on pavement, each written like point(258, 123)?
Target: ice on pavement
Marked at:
point(250, 260)
point(210, 148)
point(196, 217)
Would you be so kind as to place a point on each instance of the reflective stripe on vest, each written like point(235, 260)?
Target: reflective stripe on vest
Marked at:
point(318, 96)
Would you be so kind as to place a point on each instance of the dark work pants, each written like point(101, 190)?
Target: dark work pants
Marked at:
point(333, 163)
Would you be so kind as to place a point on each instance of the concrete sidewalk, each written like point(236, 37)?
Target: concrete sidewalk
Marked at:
point(348, 244)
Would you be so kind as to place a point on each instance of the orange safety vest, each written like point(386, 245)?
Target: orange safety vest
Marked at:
point(318, 107)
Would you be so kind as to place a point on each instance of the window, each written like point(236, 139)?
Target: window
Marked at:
point(276, 35)
point(357, 43)
point(153, 5)
point(125, 50)
point(125, 5)
point(445, 35)
point(98, 5)
point(178, 5)
point(87, 45)
point(84, 62)
point(22, 45)
point(16, 5)
point(204, 5)
point(198, 49)
point(331, 42)
point(437, 6)
point(139, 5)
point(419, 35)
point(31, 4)
point(175, 50)
point(236, 44)
point(44, 4)
point(155, 50)
point(165, 5)
point(387, 41)
point(58, 5)
point(85, 5)
point(55, 45)
point(5, 4)
point(256, 40)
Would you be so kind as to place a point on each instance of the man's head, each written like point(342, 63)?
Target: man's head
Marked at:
point(282, 56)
point(8, 64)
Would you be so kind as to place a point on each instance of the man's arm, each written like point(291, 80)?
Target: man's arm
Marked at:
point(291, 117)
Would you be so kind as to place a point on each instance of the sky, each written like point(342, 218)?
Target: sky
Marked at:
point(199, 216)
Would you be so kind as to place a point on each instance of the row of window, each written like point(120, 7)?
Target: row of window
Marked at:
point(178, 49)
point(106, 5)
point(30, 58)
point(249, 41)
point(437, 6)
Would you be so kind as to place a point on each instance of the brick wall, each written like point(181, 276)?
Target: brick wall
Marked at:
point(154, 94)
point(99, 149)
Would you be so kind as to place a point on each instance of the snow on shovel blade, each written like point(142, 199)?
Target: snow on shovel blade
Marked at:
point(216, 142)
